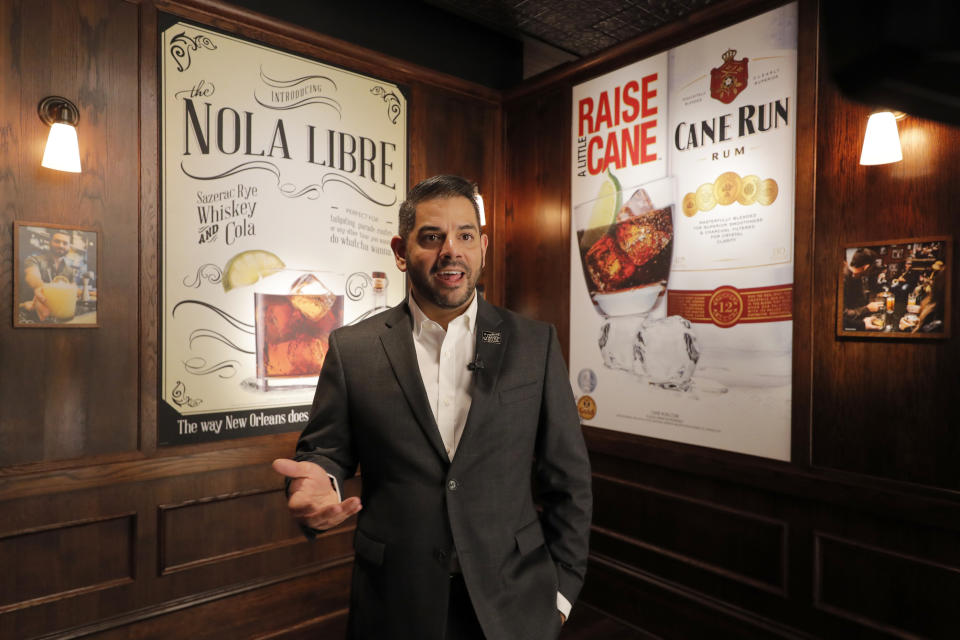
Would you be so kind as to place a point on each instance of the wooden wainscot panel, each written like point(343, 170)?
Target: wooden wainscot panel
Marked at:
point(57, 561)
point(885, 590)
point(683, 538)
point(662, 610)
point(193, 533)
point(312, 604)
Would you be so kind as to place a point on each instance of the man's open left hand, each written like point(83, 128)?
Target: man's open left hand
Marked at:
point(312, 499)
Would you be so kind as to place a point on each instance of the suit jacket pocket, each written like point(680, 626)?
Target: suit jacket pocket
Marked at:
point(369, 549)
point(529, 537)
point(524, 391)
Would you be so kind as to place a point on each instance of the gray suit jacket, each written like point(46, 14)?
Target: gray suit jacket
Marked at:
point(521, 446)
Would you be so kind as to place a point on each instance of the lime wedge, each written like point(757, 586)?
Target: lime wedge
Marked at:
point(605, 207)
point(247, 267)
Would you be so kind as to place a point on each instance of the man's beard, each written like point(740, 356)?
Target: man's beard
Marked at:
point(442, 299)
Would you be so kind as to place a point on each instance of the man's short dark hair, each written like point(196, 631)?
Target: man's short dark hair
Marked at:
point(862, 257)
point(443, 186)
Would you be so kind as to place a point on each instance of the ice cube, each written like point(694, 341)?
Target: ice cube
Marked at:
point(641, 240)
point(309, 284)
point(638, 204)
point(313, 308)
point(618, 338)
point(666, 352)
point(608, 267)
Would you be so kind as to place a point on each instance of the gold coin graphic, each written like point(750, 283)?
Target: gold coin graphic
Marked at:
point(727, 188)
point(705, 198)
point(689, 205)
point(586, 407)
point(748, 190)
point(767, 191)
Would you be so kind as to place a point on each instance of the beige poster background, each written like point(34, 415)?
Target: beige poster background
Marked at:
point(274, 167)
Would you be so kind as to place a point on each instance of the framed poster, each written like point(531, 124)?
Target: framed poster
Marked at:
point(281, 181)
point(682, 196)
point(895, 289)
point(55, 280)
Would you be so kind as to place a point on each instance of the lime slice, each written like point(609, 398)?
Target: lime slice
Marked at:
point(247, 267)
point(605, 207)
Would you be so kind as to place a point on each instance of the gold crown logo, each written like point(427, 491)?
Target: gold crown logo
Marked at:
point(729, 55)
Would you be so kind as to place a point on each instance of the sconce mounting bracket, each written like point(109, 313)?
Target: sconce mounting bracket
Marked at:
point(56, 109)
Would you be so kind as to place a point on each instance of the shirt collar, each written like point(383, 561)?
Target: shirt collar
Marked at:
point(420, 318)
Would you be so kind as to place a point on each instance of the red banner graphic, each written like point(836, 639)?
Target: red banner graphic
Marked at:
point(727, 306)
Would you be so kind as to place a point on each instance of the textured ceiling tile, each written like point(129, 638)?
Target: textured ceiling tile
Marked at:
point(617, 28)
point(580, 26)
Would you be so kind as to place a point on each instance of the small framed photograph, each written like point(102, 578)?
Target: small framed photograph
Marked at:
point(895, 289)
point(56, 272)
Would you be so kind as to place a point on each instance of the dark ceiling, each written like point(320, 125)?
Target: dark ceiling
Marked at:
point(495, 43)
point(578, 27)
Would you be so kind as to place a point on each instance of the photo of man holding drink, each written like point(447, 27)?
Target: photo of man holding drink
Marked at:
point(56, 279)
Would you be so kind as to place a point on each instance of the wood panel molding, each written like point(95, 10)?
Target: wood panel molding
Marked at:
point(99, 551)
point(883, 589)
point(187, 532)
point(737, 545)
point(918, 504)
point(327, 580)
point(669, 610)
point(15, 483)
point(330, 625)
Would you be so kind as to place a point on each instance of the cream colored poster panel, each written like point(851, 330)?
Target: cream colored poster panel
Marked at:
point(281, 181)
point(681, 308)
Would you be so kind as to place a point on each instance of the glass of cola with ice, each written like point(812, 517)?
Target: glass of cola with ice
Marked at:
point(626, 253)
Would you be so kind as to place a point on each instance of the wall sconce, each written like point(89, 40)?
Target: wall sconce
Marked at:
point(479, 199)
point(62, 151)
point(881, 142)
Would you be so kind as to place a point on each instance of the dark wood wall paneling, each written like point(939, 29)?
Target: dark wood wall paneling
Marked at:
point(859, 536)
point(67, 394)
point(105, 536)
point(102, 533)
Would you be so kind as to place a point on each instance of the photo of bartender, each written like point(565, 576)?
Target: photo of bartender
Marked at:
point(55, 279)
point(895, 289)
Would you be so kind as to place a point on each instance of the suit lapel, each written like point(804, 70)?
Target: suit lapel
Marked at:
point(397, 341)
point(491, 344)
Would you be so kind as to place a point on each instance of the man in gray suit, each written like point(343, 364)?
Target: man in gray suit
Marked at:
point(461, 418)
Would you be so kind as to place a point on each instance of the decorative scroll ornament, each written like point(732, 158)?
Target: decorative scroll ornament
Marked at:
point(393, 102)
point(298, 92)
point(180, 397)
point(199, 366)
point(209, 272)
point(181, 45)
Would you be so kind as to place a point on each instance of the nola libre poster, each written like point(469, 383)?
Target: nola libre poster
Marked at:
point(281, 181)
point(683, 205)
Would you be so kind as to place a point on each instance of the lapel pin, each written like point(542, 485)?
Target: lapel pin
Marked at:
point(491, 337)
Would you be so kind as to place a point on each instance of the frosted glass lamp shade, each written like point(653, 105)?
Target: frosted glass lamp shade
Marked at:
point(62, 151)
point(881, 142)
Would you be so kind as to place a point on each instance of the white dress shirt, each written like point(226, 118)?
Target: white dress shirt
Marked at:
point(443, 357)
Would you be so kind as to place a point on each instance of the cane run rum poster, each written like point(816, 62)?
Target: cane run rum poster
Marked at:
point(682, 251)
point(281, 182)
